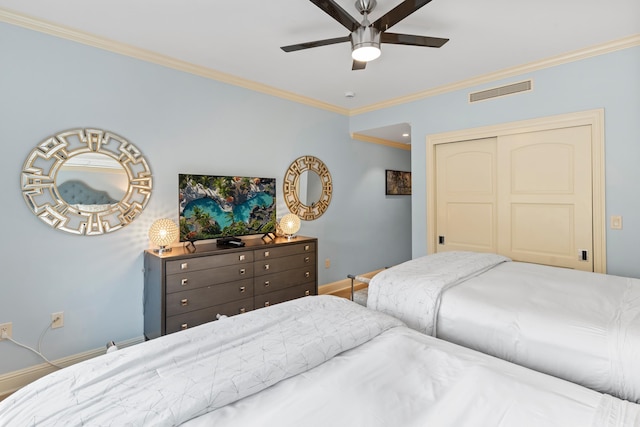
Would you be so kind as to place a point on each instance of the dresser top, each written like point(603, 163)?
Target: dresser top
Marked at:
point(178, 252)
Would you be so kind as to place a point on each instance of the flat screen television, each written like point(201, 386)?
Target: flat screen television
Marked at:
point(225, 206)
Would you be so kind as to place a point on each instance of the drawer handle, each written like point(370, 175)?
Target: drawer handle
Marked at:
point(184, 302)
point(184, 326)
point(184, 282)
point(266, 254)
point(242, 257)
point(242, 271)
point(307, 247)
point(267, 284)
point(307, 293)
point(243, 310)
point(184, 266)
point(307, 274)
point(266, 266)
point(307, 259)
point(242, 289)
point(266, 304)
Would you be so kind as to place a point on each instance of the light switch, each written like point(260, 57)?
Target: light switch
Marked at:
point(616, 222)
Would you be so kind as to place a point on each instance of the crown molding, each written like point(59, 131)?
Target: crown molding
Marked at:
point(381, 141)
point(156, 58)
point(149, 56)
point(600, 49)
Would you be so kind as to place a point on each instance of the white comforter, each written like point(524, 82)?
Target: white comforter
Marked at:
point(584, 327)
point(412, 291)
point(316, 361)
point(170, 380)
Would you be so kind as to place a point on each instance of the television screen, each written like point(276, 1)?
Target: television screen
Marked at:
point(221, 206)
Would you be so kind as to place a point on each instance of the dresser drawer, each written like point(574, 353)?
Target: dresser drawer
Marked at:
point(269, 253)
point(212, 276)
point(285, 263)
point(186, 288)
point(283, 295)
point(198, 317)
point(205, 262)
point(276, 281)
point(196, 299)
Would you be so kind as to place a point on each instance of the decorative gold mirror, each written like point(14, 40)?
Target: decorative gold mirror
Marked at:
point(307, 187)
point(86, 181)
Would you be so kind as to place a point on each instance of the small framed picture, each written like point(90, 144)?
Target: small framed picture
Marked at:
point(398, 183)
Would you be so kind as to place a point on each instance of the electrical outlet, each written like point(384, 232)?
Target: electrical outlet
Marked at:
point(327, 263)
point(57, 320)
point(6, 328)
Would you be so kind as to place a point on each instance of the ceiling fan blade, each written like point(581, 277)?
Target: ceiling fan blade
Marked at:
point(336, 12)
point(411, 40)
point(317, 43)
point(398, 13)
point(358, 65)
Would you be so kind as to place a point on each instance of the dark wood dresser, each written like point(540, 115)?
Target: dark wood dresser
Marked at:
point(183, 289)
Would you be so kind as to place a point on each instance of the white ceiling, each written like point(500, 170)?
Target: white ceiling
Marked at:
point(243, 39)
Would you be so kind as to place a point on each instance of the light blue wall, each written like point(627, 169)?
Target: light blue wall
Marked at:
point(183, 124)
point(610, 81)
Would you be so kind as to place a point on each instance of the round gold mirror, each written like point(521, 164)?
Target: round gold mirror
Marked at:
point(86, 181)
point(307, 187)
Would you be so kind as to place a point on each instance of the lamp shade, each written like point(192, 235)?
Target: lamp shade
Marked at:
point(163, 232)
point(290, 224)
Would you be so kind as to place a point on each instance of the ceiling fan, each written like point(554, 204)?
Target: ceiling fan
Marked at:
point(366, 37)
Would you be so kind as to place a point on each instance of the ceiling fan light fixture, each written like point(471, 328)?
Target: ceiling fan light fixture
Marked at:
point(365, 53)
point(365, 44)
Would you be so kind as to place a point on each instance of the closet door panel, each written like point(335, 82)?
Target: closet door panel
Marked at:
point(466, 196)
point(545, 197)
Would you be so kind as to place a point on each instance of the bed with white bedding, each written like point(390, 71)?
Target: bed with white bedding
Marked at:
point(580, 326)
point(316, 361)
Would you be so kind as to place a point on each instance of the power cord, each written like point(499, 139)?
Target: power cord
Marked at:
point(5, 336)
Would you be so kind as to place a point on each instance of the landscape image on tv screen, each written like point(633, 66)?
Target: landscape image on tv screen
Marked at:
point(221, 206)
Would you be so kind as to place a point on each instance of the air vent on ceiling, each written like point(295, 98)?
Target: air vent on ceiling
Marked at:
point(500, 91)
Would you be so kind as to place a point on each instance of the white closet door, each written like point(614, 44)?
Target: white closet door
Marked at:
point(466, 196)
point(527, 196)
point(545, 197)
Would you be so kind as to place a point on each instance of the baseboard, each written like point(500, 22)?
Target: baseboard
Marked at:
point(344, 285)
point(15, 380)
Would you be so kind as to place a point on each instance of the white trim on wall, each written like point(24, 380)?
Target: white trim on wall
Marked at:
point(145, 55)
point(15, 380)
point(155, 58)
